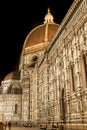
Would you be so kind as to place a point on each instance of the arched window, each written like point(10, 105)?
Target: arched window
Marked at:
point(83, 63)
point(72, 77)
point(62, 105)
point(16, 108)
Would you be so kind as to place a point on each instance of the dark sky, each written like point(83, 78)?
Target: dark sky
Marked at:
point(17, 19)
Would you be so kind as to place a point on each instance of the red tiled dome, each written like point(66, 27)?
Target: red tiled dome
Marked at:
point(9, 76)
point(41, 35)
point(12, 75)
point(37, 35)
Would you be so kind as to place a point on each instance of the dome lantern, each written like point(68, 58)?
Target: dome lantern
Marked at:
point(48, 17)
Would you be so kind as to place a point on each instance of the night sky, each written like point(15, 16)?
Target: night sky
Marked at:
point(17, 19)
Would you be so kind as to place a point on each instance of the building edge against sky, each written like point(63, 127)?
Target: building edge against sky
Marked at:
point(53, 73)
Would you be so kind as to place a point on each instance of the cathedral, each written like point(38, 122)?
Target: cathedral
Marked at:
point(50, 83)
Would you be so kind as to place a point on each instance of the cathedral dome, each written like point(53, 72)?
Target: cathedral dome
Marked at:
point(41, 35)
point(12, 75)
point(9, 76)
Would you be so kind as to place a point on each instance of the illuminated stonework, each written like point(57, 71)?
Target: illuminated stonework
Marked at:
point(33, 50)
point(53, 71)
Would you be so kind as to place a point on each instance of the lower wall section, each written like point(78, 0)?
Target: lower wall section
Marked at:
point(75, 126)
point(64, 126)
